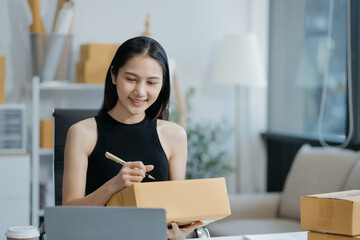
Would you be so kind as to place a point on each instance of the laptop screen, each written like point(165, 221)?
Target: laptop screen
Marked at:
point(94, 223)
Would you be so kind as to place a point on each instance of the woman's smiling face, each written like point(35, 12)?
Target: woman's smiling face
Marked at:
point(138, 84)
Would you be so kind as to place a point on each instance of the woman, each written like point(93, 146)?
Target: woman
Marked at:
point(137, 90)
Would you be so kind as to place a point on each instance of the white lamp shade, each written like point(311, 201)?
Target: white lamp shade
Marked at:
point(239, 63)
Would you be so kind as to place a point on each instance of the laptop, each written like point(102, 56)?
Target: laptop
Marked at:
point(95, 223)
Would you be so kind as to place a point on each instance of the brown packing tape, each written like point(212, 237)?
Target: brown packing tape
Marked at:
point(343, 195)
point(326, 214)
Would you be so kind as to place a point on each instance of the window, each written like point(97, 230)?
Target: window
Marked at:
point(308, 44)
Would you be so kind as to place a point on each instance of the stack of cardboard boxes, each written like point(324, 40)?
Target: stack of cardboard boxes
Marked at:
point(2, 79)
point(94, 62)
point(331, 216)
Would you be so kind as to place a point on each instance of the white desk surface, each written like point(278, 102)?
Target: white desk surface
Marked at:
point(273, 236)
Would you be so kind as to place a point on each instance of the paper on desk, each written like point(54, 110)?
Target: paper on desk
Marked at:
point(278, 236)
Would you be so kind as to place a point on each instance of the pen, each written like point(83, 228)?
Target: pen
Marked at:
point(122, 162)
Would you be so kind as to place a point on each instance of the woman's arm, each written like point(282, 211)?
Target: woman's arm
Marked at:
point(80, 142)
point(173, 138)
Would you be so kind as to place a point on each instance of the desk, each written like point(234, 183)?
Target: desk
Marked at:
point(273, 236)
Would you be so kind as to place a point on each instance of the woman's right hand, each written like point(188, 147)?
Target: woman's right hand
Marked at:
point(130, 173)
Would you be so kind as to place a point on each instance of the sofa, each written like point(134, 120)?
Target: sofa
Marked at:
point(314, 170)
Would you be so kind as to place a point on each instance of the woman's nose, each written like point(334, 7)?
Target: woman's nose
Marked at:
point(140, 89)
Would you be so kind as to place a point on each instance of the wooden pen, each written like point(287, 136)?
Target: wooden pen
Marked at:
point(122, 162)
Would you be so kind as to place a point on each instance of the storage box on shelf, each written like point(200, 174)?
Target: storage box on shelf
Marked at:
point(13, 128)
point(94, 62)
point(46, 133)
point(45, 97)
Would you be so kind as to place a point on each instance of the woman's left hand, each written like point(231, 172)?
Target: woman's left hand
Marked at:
point(176, 233)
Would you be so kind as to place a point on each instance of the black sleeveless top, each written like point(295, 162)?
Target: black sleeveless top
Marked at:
point(130, 142)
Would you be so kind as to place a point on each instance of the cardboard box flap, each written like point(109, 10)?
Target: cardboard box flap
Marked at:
point(351, 195)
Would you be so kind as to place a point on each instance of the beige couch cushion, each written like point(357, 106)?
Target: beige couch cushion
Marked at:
point(353, 180)
point(315, 170)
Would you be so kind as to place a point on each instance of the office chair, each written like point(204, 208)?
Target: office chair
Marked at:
point(63, 119)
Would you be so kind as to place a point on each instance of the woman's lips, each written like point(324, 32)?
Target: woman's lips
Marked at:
point(137, 102)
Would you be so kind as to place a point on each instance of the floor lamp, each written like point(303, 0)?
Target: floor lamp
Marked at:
point(239, 64)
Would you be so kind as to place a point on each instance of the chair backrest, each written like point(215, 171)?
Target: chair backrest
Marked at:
point(63, 119)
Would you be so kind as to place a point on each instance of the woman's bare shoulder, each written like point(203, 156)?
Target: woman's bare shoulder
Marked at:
point(82, 135)
point(170, 129)
point(86, 129)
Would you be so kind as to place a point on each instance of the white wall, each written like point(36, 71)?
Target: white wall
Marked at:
point(191, 32)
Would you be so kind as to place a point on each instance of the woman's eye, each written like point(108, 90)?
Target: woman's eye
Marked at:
point(131, 79)
point(152, 83)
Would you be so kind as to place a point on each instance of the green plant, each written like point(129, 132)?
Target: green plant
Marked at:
point(207, 156)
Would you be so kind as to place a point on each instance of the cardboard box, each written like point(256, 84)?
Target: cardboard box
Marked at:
point(95, 59)
point(91, 71)
point(337, 212)
point(324, 236)
point(2, 79)
point(185, 201)
point(47, 133)
point(97, 51)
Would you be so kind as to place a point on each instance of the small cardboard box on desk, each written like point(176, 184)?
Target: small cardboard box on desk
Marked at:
point(333, 215)
point(185, 201)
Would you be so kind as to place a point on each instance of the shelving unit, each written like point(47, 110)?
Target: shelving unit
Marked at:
point(45, 97)
point(14, 200)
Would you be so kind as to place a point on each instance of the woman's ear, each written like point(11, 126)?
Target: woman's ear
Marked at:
point(113, 77)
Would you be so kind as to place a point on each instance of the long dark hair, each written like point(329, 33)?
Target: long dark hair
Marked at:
point(130, 48)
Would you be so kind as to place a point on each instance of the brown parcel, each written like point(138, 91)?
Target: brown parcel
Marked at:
point(98, 51)
point(46, 133)
point(337, 212)
point(95, 59)
point(185, 201)
point(92, 71)
point(324, 236)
